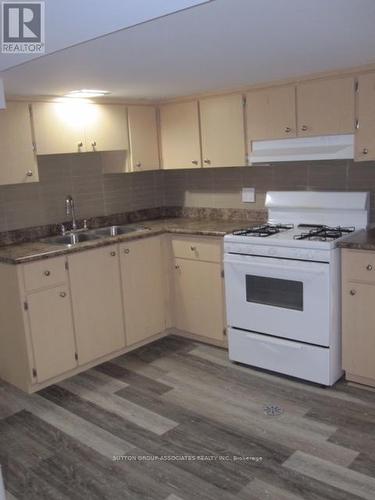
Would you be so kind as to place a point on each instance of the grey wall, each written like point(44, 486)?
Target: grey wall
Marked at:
point(97, 194)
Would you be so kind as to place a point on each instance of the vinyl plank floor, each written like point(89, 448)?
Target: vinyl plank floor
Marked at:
point(176, 420)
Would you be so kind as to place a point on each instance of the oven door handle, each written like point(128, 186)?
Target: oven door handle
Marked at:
point(270, 340)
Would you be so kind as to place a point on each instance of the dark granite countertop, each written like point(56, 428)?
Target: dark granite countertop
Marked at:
point(38, 250)
point(361, 240)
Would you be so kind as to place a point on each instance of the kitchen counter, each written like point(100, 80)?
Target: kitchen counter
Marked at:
point(38, 250)
point(362, 240)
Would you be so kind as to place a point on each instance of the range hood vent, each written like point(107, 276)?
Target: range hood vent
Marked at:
point(328, 147)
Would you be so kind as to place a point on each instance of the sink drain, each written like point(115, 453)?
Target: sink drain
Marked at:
point(272, 410)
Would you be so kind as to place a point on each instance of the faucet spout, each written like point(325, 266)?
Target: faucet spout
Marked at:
point(70, 210)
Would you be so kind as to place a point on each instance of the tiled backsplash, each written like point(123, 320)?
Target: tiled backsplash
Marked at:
point(96, 194)
point(221, 187)
point(81, 176)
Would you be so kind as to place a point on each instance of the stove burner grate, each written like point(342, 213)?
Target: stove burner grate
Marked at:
point(264, 230)
point(323, 233)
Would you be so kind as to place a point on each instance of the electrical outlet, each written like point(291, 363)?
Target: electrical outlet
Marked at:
point(248, 195)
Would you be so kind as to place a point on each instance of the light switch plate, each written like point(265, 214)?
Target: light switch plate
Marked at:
point(248, 195)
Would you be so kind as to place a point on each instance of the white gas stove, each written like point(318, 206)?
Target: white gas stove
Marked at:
point(282, 282)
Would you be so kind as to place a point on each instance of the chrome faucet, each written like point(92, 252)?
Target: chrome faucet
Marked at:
point(70, 210)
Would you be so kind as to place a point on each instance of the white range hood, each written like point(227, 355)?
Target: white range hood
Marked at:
point(328, 147)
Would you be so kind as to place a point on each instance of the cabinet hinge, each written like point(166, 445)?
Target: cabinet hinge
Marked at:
point(225, 332)
point(356, 86)
point(35, 374)
point(67, 265)
point(222, 273)
point(26, 306)
point(76, 356)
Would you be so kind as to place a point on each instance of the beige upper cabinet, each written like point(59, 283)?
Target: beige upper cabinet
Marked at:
point(143, 137)
point(74, 127)
point(143, 275)
point(97, 302)
point(180, 140)
point(365, 134)
point(271, 113)
point(325, 107)
point(18, 162)
point(106, 128)
point(222, 129)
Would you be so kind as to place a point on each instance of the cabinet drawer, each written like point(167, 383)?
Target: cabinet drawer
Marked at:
point(48, 272)
point(358, 266)
point(197, 249)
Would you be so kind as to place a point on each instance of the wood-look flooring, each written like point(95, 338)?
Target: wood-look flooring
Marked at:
point(177, 398)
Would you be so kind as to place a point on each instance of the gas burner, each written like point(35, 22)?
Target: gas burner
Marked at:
point(264, 230)
point(323, 233)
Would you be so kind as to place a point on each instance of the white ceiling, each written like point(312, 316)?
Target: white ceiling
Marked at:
point(70, 22)
point(219, 45)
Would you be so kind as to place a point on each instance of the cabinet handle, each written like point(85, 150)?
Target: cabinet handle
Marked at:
point(356, 124)
point(126, 250)
point(93, 144)
point(193, 249)
point(194, 162)
point(353, 292)
point(365, 151)
point(207, 162)
point(47, 273)
point(369, 267)
point(113, 254)
point(138, 164)
point(80, 145)
point(304, 128)
point(287, 130)
point(29, 173)
point(62, 295)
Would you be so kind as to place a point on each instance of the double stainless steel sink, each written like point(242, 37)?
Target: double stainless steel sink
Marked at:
point(83, 235)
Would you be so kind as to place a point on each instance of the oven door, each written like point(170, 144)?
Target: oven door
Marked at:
point(279, 297)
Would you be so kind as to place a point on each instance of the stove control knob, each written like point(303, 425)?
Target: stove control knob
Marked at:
point(369, 267)
point(353, 292)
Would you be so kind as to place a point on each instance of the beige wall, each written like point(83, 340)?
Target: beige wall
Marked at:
point(95, 194)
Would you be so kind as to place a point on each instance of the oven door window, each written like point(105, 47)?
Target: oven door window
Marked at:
point(274, 292)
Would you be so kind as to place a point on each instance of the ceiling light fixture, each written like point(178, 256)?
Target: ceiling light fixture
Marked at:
point(87, 93)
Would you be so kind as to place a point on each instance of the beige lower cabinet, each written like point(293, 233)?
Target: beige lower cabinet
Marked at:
point(144, 288)
point(198, 287)
point(52, 333)
point(358, 315)
point(97, 302)
point(37, 339)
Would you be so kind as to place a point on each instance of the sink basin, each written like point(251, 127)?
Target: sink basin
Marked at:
point(72, 239)
point(118, 230)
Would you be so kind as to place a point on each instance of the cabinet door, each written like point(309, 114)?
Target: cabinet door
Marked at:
point(144, 288)
point(222, 129)
point(97, 302)
point(106, 128)
point(199, 298)
point(52, 334)
point(271, 113)
point(358, 329)
point(18, 162)
point(144, 152)
point(365, 134)
point(59, 127)
point(325, 107)
point(179, 129)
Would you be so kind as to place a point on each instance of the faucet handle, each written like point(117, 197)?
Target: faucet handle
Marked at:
point(63, 230)
point(85, 224)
